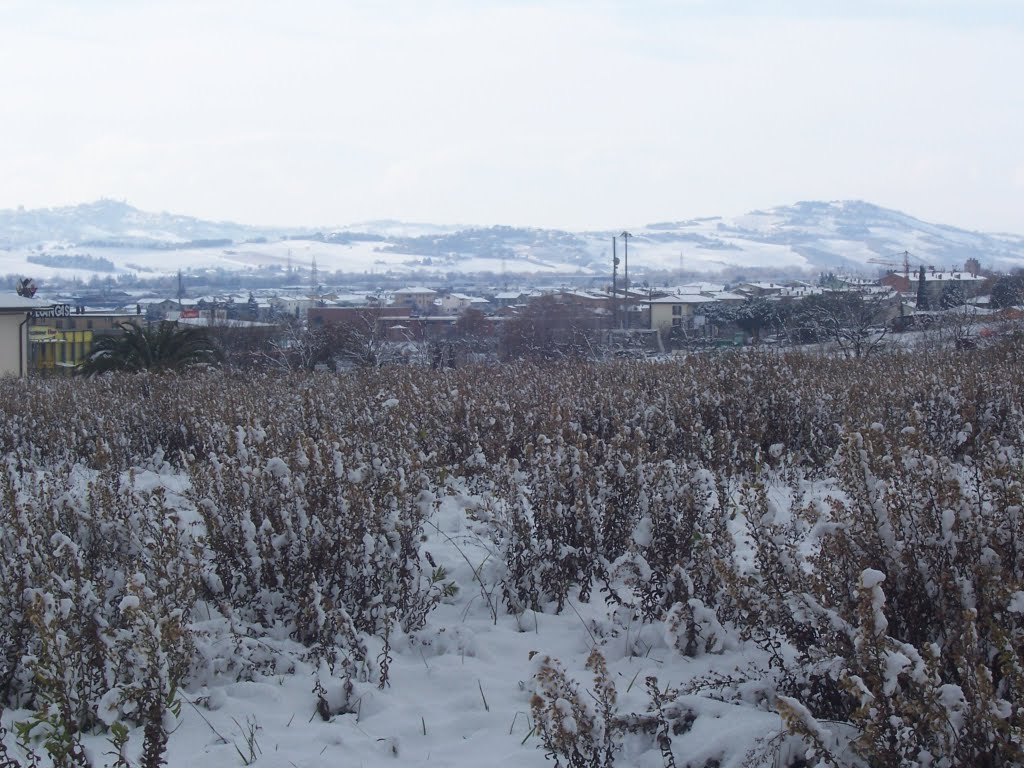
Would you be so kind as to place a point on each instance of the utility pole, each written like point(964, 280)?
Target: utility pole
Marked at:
point(625, 247)
point(615, 286)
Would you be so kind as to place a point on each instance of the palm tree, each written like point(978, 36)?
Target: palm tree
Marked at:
point(163, 347)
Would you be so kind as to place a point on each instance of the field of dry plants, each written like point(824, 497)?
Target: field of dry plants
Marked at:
point(847, 534)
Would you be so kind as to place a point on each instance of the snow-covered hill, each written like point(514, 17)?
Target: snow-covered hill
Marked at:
point(115, 222)
point(823, 236)
point(806, 236)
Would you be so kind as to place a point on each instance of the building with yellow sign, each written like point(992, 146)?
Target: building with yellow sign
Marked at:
point(53, 349)
point(61, 340)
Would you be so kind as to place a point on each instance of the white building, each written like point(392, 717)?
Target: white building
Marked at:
point(457, 303)
point(14, 316)
point(676, 311)
point(416, 297)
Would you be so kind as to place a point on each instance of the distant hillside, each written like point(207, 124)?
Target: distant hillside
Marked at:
point(842, 235)
point(114, 223)
point(804, 237)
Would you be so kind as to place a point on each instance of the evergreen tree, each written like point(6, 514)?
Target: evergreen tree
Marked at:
point(922, 292)
point(1006, 291)
point(754, 315)
point(953, 295)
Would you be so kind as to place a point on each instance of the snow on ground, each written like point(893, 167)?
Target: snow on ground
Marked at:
point(460, 689)
point(354, 258)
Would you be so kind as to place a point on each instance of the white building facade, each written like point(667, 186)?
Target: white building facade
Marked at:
point(15, 312)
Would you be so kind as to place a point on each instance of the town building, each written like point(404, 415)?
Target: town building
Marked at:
point(756, 290)
point(419, 298)
point(60, 339)
point(15, 315)
point(678, 311)
point(457, 303)
point(935, 280)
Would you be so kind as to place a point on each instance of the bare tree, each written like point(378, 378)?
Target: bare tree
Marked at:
point(855, 322)
point(957, 326)
point(357, 341)
point(474, 334)
point(549, 328)
point(244, 344)
point(290, 348)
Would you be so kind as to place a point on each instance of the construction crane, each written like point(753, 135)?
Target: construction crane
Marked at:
point(905, 263)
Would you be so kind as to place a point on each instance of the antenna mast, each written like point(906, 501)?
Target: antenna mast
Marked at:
point(625, 247)
point(615, 284)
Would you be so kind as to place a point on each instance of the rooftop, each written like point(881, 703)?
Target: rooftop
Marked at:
point(14, 301)
point(414, 290)
point(688, 298)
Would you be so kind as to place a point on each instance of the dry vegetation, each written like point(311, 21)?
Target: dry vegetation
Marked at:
point(683, 493)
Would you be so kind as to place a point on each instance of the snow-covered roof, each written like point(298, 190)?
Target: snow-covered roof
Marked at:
point(350, 298)
point(700, 287)
point(585, 295)
point(765, 286)
point(801, 291)
point(726, 296)
point(14, 301)
point(205, 322)
point(947, 276)
point(689, 298)
point(970, 309)
point(414, 290)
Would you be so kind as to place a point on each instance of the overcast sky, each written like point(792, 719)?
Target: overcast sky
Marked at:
point(558, 113)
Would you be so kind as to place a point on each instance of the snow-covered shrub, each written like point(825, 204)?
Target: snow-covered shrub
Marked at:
point(97, 582)
point(561, 494)
point(587, 729)
point(672, 543)
point(725, 499)
point(896, 595)
point(937, 649)
point(576, 730)
point(322, 540)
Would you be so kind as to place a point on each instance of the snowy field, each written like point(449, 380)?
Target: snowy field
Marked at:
point(732, 560)
point(368, 258)
point(460, 688)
